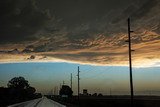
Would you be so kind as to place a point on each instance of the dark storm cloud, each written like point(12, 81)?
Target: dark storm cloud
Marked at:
point(20, 20)
point(23, 20)
point(80, 30)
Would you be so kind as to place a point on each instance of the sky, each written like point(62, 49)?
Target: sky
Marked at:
point(92, 33)
point(97, 79)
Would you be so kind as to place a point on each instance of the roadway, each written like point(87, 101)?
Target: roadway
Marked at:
point(40, 102)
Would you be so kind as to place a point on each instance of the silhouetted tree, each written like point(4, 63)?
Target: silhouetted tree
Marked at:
point(95, 94)
point(20, 89)
point(66, 90)
point(18, 83)
point(31, 90)
point(100, 95)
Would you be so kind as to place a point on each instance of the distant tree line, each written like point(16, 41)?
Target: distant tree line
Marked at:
point(17, 90)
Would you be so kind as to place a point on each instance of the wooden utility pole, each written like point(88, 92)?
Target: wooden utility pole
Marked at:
point(71, 81)
point(110, 92)
point(54, 90)
point(60, 86)
point(63, 82)
point(78, 83)
point(130, 61)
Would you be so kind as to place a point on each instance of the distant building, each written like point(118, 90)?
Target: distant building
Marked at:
point(85, 92)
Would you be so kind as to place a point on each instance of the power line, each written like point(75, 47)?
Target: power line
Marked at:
point(96, 75)
point(99, 73)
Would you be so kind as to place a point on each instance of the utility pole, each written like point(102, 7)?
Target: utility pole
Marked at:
point(63, 82)
point(57, 90)
point(60, 86)
point(54, 90)
point(78, 82)
point(110, 92)
point(130, 61)
point(71, 81)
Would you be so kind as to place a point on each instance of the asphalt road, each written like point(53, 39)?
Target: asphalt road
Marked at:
point(41, 102)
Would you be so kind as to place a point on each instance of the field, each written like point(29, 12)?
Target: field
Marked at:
point(109, 101)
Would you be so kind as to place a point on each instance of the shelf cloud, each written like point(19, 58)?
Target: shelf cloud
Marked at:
point(80, 31)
